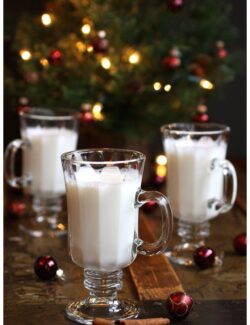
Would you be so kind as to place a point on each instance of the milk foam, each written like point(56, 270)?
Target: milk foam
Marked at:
point(42, 159)
point(103, 220)
point(190, 181)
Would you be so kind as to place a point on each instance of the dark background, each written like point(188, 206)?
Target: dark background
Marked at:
point(230, 108)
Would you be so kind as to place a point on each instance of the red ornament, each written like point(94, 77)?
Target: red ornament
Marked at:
point(149, 207)
point(17, 208)
point(45, 267)
point(171, 62)
point(179, 305)
point(100, 43)
point(86, 117)
point(240, 244)
point(175, 5)
point(201, 116)
point(204, 257)
point(222, 53)
point(55, 57)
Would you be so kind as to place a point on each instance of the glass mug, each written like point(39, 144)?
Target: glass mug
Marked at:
point(45, 135)
point(103, 198)
point(200, 183)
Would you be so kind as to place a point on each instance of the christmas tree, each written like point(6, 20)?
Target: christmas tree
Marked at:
point(129, 66)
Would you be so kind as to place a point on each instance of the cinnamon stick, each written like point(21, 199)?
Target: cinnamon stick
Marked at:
point(146, 321)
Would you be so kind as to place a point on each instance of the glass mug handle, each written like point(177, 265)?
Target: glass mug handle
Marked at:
point(10, 160)
point(229, 178)
point(159, 245)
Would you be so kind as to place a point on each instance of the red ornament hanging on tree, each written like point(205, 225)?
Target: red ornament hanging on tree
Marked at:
point(100, 43)
point(55, 57)
point(201, 115)
point(86, 114)
point(172, 61)
point(179, 305)
point(23, 105)
point(222, 53)
point(175, 5)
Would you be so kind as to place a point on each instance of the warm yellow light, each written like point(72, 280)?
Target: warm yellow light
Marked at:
point(134, 58)
point(44, 62)
point(161, 171)
point(105, 63)
point(86, 29)
point(98, 116)
point(46, 19)
point(61, 226)
point(81, 46)
point(206, 84)
point(157, 86)
point(167, 87)
point(161, 160)
point(25, 55)
point(97, 108)
point(89, 48)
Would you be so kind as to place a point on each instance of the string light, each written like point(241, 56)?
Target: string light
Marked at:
point(46, 19)
point(25, 55)
point(86, 29)
point(89, 48)
point(134, 58)
point(44, 62)
point(97, 108)
point(167, 88)
point(206, 84)
point(81, 46)
point(105, 63)
point(157, 86)
point(161, 160)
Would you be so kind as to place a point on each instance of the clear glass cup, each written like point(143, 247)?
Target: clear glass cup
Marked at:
point(103, 198)
point(201, 183)
point(45, 135)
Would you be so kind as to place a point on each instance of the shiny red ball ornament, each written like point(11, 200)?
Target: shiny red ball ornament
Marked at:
point(86, 117)
point(55, 57)
point(201, 115)
point(175, 5)
point(17, 208)
point(100, 43)
point(204, 257)
point(222, 53)
point(240, 244)
point(179, 305)
point(149, 207)
point(171, 62)
point(45, 267)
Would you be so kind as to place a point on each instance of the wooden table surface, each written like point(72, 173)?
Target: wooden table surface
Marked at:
point(219, 293)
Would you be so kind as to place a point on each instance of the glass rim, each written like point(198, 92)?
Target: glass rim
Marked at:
point(68, 156)
point(64, 114)
point(172, 128)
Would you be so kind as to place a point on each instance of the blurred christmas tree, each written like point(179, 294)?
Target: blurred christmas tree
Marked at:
point(128, 65)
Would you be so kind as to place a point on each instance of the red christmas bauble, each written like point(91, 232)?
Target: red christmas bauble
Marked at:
point(240, 244)
point(222, 53)
point(45, 267)
point(175, 5)
point(201, 117)
point(86, 117)
point(17, 208)
point(179, 305)
point(204, 257)
point(55, 57)
point(149, 207)
point(171, 62)
point(100, 45)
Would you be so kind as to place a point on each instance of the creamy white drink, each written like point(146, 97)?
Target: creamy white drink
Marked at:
point(103, 220)
point(190, 181)
point(42, 159)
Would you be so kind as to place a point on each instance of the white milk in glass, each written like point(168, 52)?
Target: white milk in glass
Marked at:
point(190, 181)
point(103, 220)
point(42, 160)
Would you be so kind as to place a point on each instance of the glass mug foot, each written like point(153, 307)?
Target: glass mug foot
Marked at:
point(182, 254)
point(84, 311)
point(40, 226)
